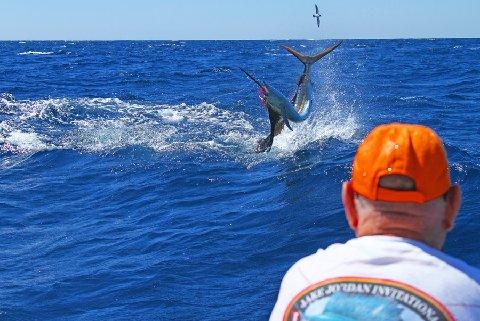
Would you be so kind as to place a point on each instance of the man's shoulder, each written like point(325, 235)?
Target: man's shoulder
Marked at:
point(381, 254)
point(449, 260)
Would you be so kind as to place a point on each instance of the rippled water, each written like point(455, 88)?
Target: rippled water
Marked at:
point(128, 184)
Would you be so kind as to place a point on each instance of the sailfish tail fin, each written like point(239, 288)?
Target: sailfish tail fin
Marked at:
point(310, 60)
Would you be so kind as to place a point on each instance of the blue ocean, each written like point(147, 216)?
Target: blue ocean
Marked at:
point(129, 185)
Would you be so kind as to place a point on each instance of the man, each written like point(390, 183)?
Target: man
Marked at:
point(401, 204)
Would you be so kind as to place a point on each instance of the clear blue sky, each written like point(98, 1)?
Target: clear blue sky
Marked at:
point(236, 19)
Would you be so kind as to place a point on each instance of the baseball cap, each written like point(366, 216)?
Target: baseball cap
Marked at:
point(404, 150)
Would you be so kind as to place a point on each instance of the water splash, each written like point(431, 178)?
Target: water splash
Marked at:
point(103, 125)
point(106, 124)
point(332, 116)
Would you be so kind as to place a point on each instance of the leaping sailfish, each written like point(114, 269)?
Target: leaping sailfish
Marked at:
point(282, 111)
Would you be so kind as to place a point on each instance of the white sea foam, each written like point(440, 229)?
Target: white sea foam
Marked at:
point(35, 53)
point(108, 135)
point(459, 167)
point(276, 54)
point(106, 124)
point(406, 98)
point(22, 142)
point(16, 146)
point(171, 116)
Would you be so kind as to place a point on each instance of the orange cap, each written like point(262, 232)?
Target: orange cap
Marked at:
point(401, 149)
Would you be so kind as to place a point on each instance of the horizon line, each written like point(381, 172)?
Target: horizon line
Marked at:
point(271, 39)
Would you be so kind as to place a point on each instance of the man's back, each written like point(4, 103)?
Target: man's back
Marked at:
point(379, 278)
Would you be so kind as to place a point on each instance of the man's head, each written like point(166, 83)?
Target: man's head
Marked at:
point(401, 185)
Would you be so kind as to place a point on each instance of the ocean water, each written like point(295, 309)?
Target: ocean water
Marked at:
point(129, 189)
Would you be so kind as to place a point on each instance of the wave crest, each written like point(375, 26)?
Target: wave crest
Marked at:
point(41, 53)
point(106, 124)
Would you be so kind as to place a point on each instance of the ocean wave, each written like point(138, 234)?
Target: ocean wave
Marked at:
point(106, 124)
point(103, 125)
point(35, 53)
point(417, 99)
point(276, 54)
point(21, 142)
point(220, 69)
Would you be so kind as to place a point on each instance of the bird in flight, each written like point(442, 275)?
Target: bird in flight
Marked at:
point(317, 15)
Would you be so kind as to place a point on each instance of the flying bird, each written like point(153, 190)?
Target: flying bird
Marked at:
point(317, 15)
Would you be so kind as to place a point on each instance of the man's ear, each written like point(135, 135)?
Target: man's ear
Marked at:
point(454, 200)
point(348, 195)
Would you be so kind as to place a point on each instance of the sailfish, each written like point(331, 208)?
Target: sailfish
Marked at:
point(282, 111)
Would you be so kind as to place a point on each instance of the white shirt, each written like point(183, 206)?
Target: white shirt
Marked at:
point(376, 278)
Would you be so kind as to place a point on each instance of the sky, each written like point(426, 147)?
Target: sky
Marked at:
point(236, 19)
